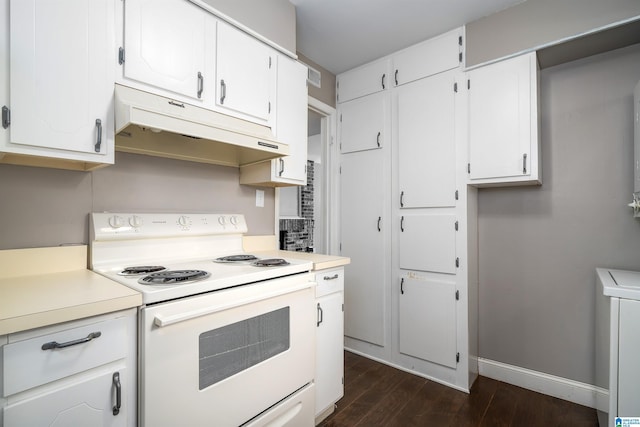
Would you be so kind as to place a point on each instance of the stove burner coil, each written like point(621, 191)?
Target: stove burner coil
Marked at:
point(236, 258)
point(271, 262)
point(171, 277)
point(141, 269)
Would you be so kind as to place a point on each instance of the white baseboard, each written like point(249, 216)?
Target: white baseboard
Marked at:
point(562, 388)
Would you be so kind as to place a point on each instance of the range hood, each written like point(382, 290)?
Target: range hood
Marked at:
point(157, 126)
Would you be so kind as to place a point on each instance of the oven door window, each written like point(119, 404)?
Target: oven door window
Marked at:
point(231, 349)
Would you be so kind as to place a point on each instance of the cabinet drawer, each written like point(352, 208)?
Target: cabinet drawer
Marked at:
point(25, 364)
point(329, 281)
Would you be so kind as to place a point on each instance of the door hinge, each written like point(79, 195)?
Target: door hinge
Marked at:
point(457, 295)
point(6, 116)
point(456, 225)
point(121, 56)
point(468, 167)
point(455, 87)
point(456, 194)
point(457, 262)
point(457, 357)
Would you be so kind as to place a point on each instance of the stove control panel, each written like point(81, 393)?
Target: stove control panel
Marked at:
point(116, 226)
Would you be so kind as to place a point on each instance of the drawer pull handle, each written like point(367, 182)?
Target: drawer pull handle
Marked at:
point(118, 386)
point(335, 276)
point(54, 345)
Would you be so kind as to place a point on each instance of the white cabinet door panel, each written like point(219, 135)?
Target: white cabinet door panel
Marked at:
point(428, 243)
point(329, 351)
point(363, 228)
point(371, 78)
point(629, 343)
point(165, 45)
point(364, 123)
point(426, 142)
point(427, 320)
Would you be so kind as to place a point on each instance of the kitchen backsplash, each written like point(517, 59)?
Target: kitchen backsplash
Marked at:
point(297, 234)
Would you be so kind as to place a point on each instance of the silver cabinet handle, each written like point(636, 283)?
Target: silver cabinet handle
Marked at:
point(383, 76)
point(402, 286)
point(118, 386)
point(55, 345)
point(98, 135)
point(200, 84)
point(396, 77)
point(378, 139)
point(402, 223)
point(402, 199)
point(524, 163)
point(281, 171)
point(379, 219)
point(223, 91)
point(6, 116)
point(335, 276)
point(320, 315)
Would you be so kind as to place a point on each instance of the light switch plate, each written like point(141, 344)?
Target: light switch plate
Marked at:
point(260, 198)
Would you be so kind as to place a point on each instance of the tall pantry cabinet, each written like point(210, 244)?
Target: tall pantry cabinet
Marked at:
point(408, 219)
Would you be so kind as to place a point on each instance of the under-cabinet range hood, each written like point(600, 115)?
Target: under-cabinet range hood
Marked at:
point(154, 125)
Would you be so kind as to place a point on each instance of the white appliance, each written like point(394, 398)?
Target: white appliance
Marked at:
point(617, 344)
point(220, 342)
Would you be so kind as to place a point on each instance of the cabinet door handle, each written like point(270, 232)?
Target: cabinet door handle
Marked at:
point(200, 84)
point(223, 91)
point(383, 77)
point(379, 219)
point(378, 139)
point(402, 223)
point(281, 171)
point(396, 77)
point(118, 386)
point(98, 135)
point(54, 345)
point(320, 315)
point(6, 117)
point(524, 163)
point(334, 277)
point(402, 286)
point(402, 199)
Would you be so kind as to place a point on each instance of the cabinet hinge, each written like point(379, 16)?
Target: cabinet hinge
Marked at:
point(468, 167)
point(269, 108)
point(121, 56)
point(457, 295)
point(340, 117)
point(460, 57)
point(456, 194)
point(456, 225)
point(457, 262)
point(340, 168)
point(455, 87)
point(341, 247)
point(343, 307)
point(6, 116)
point(338, 92)
point(459, 40)
point(457, 357)
point(269, 62)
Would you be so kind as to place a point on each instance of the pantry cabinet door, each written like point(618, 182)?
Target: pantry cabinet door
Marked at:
point(427, 320)
point(165, 45)
point(370, 78)
point(363, 123)
point(426, 142)
point(428, 243)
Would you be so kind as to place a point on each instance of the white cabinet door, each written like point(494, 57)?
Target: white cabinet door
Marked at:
point(428, 243)
point(86, 402)
point(166, 47)
point(364, 228)
point(370, 78)
point(503, 122)
point(427, 320)
point(430, 57)
point(628, 368)
point(426, 142)
point(329, 351)
point(62, 79)
point(364, 123)
point(245, 71)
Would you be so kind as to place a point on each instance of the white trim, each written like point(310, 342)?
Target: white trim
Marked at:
point(562, 388)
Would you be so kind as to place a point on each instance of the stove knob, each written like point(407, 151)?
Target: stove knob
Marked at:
point(184, 221)
point(234, 220)
point(222, 220)
point(116, 221)
point(135, 221)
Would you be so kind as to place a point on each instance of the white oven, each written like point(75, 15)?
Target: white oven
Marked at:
point(224, 338)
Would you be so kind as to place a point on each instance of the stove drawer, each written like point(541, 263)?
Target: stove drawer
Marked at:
point(35, 360)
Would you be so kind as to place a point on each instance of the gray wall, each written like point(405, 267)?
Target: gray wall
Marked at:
point(536, 23)
point(539, 246)
point(47, 207)
point(327, 90)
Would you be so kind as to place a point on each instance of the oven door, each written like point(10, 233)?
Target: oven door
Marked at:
point(224, 357)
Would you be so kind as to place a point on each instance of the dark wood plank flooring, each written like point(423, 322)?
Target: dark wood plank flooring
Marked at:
point(379, 395)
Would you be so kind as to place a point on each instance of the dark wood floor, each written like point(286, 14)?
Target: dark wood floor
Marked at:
point(379, 395)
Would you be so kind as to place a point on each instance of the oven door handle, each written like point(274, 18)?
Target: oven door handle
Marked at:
point(163, 320)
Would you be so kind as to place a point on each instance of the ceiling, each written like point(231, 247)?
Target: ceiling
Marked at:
point(342, 34)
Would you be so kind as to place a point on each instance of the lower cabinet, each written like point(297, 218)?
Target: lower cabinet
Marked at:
point(71, 374)
point(329, 341)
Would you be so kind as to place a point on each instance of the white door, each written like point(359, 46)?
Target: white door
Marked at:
point(426, 142)
point(500, 126)
point(329, 350)
point(428, 320)
point(428, 243)
point(245, 70)
point(364, 228)
point(62, 74)
point(363, 123)
point(165, 45)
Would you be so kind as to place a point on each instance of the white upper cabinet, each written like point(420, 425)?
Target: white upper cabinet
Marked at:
point(427, 242)
point(427, 58)
point(503, 123)
point(169, 44)
point(426, 141)
point(61, 74)
point(371, 78)
point(245, 74)
point(363, 123)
